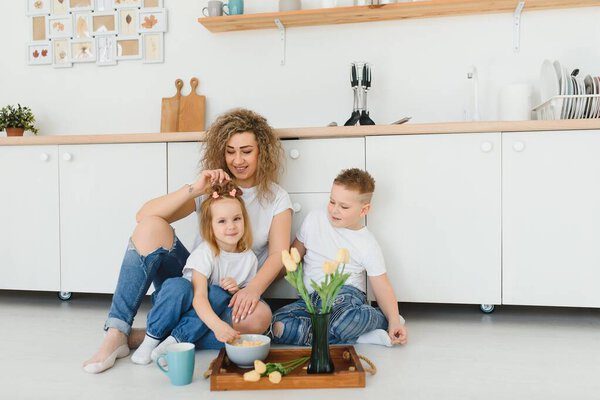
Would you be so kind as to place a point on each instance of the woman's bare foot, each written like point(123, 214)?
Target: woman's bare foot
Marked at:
point(136, 337)
point(112, 342)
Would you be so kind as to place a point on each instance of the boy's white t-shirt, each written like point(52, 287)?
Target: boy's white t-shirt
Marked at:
point(240, 266)
point(322, 242)
point(261, 213)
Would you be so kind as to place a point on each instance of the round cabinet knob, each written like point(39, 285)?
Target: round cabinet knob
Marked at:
point(297, 207)
point(486, 147)
point(519, 146)
point(294, 154)
point(67, 157)
point(44, 157)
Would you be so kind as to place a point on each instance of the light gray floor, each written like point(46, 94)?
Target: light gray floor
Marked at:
point(454, 352)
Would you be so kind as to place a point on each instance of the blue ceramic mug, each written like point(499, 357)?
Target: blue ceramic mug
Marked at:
point(235, 7)
point(180, 359)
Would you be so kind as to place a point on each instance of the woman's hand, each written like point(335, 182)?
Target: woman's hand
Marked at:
point(225, 333)
point(207, 178)
point(229, 284)
point(244, 302)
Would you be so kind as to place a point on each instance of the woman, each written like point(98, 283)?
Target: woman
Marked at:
point(240, 144)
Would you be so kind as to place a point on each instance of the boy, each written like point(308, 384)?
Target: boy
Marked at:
point(322, 233)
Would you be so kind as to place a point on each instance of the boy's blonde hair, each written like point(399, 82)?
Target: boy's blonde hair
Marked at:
point(270, 151)
point(358, 180)
point(226, 190)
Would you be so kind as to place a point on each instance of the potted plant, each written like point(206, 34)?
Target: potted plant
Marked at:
point(16, 120)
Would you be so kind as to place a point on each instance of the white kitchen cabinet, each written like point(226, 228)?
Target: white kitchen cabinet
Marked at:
point(436, 213)
point(312, 164)
point(102, 186)
point(183, 167)
point(551, 218)
point(29, 232)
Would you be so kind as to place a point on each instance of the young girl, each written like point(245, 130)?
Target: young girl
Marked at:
point(188, 308)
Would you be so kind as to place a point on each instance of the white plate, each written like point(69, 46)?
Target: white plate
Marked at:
point(549, 83)
point(560, 76)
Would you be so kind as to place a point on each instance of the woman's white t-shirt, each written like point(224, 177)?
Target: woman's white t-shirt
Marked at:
point(322, 242)
point(261, 213)
point(239, 266)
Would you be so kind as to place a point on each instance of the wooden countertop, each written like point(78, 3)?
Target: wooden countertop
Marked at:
point(323, 132)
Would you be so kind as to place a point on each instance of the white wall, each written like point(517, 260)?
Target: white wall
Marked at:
point(420, 68)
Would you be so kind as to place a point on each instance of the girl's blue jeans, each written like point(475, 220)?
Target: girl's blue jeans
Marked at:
point(136, 274)
point(351, 316)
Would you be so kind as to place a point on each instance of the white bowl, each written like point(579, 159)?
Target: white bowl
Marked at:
point(244, 357)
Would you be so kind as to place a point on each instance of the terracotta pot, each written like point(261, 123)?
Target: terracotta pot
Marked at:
point(14, 131)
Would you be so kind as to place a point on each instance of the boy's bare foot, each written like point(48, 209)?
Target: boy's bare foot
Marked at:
point(136, 337)
point(113, 346)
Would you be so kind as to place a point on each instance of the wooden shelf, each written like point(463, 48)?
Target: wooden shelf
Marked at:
point(385, 12)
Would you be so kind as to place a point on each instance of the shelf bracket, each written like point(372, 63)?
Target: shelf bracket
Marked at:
point(281, 38)
point(517, 27)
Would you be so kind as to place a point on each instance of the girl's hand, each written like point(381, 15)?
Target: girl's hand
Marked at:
point(225, 333)
point(244, 302)
point(207, 178)
point(398, 333)
point(229, 284)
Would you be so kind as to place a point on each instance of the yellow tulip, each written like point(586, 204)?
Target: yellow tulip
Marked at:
point(289, 264)
point(295, 255)
point(343, 256)
point(329, 267)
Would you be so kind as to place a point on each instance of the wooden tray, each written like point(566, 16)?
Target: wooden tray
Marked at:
point(227, 376)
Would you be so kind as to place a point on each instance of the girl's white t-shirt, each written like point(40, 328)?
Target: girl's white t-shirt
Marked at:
point(261, 213)
point(322, 242)
point(240, 266)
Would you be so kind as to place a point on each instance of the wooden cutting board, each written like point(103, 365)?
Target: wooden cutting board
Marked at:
point(191, 110)
point(183, 113)
point(169, 113)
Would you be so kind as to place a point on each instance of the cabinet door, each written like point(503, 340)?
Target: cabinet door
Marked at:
point(29, 233)
point(184, 167)
point(303, 204)
point(436, 214)
point(102, 187)
point(551, 218)
point(312, 164)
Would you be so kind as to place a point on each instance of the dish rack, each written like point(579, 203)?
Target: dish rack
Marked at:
point(581, 106)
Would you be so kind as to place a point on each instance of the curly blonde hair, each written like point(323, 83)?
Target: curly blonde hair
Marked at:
point(215, 193)
point(270, 151)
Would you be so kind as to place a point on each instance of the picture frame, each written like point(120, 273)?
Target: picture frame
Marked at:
point(104, 5)
point(83, 50)
point(127, 3)
point(81, 5)
point(39, 28)
point(153, 46)
point(128, 21)
point(39, 53)
point(60, 7)
point(104, 24)
point(82, 27)
point(60, 26)
point(152, 3)
point(129, 48)
point(61, 53)
point(38, 7)
point(152, 20)
point(106, 48)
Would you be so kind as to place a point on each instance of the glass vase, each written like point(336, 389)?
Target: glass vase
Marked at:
point(320, 359)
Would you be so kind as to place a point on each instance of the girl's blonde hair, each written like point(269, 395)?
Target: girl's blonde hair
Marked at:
point(227, 190)
point(270, 151)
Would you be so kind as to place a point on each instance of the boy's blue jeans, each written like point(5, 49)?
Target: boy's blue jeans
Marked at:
point(174, 314)
point(137, 273)
point(351, 316)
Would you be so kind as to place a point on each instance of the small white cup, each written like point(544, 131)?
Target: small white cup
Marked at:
point(515, 102)
point(289, 5)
